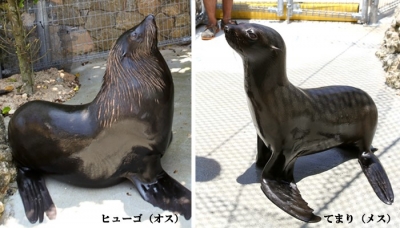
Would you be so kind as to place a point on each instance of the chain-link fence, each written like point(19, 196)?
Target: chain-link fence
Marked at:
point(73, 30)
point(386, 7)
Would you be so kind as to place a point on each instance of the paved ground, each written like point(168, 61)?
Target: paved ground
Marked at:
point(81, 206)
point(228, 191)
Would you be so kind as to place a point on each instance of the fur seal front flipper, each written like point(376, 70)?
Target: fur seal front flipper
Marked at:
point(286, 196)
point(121, 135)
point(293, 122)
point(278, 184)
point(263, 153)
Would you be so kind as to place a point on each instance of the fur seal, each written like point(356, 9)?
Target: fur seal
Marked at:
point(120, 135)
point(293, 122)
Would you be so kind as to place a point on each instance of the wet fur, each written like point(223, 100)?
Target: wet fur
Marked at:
point(292, 122)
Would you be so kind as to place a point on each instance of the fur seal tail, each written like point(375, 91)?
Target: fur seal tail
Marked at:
point(286, 196)
point(166, 193)
point(376, 176)
point(35, 196)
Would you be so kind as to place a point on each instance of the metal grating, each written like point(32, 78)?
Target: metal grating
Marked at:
point(387, 6)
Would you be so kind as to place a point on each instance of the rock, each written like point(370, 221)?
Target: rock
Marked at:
point(2, 131)
point(170, 10)
point(55, 44)
point(84, 13)
point(1, 207)
point(146, 7)
point(67, 77)
point(126, 20)
point(397, 19)
point(389, 52)
point(130, 5)
point(110, 6)
point(57, 2)
point(7, 168)
point(175, 7)
point(28, 20)
point(76, 40)
point(165, 24)
point(180, 32)
point(182, 20)
point(104, 38)
point(5, 154)
point(98, 19)
point(78, 4)
point(67, 15)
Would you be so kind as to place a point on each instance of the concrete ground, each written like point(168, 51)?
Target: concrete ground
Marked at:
point(228, 192)
point(83, 206)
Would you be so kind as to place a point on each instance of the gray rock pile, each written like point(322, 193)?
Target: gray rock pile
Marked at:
point(7, 168)
point(389, 52)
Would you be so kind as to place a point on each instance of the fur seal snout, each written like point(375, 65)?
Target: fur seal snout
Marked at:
point(120, 135)
point(292, 122)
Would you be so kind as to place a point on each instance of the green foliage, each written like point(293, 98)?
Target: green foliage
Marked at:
point(21, 3)
point(5, 110)
point(11, 80)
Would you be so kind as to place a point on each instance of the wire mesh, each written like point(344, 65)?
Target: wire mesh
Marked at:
point(386, 6)
point(73, 30)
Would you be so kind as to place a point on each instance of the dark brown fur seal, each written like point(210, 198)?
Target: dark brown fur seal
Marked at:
point(120, 135)
point(293, 122)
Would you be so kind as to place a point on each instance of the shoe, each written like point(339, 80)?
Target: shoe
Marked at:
point(230, 21)
point(210, 32)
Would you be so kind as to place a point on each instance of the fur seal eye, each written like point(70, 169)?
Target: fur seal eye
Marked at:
point(134, 35)
point(250, 33)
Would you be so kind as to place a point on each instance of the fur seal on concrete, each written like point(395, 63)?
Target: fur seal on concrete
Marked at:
point(293, 122)
point(120, 135)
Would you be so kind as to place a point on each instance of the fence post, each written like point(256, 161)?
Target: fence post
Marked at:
point(365, 11)
point(373, 15)
point(42, 27)
point(289, 12)
point(280, 8)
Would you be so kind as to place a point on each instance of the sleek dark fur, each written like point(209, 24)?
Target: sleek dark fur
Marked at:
point(293, 122)
point(120, 135)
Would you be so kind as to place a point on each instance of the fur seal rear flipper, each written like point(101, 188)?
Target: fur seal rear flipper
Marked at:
point(377, 177)
point(35, 196)
point(293, 122)
point(166, 193)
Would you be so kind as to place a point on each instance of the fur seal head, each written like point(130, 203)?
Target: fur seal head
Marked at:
point(135, 71)
point(263, 52)
point(254, 41)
